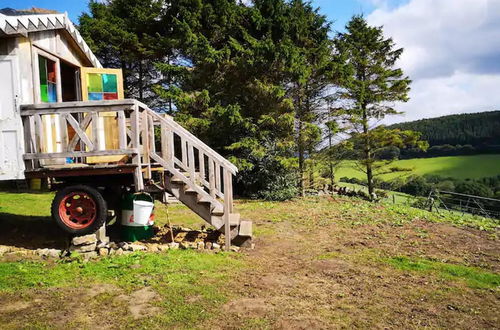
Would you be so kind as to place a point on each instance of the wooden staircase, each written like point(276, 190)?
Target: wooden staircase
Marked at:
point(193, 172)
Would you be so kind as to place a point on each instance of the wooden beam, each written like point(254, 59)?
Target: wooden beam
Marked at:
point(227, 208)
point(80, 132)
point(134, 122)
point(50, 155)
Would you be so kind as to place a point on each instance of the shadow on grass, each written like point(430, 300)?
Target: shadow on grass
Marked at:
point(31, 232)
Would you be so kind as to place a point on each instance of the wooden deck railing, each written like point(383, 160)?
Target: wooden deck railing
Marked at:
point(146, 137)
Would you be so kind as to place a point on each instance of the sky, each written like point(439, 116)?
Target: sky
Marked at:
point(451, 47)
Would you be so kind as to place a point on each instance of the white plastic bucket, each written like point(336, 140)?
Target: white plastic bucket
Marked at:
point(141, 214)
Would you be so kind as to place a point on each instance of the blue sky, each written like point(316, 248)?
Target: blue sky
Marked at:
point(451, 47)
point(337, 10)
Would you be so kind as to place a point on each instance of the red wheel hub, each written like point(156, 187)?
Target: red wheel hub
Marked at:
point(78, 210)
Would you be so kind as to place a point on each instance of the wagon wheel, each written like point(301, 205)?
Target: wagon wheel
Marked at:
point(79, 209)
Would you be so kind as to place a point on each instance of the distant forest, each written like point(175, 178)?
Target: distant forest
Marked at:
point(462, 134)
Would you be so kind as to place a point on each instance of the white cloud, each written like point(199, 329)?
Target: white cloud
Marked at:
point(452, 54)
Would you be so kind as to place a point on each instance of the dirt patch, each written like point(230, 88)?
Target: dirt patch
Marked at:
point(140, 302)
point(249, 307)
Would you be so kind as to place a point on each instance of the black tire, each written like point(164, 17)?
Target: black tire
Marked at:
point(101, 209)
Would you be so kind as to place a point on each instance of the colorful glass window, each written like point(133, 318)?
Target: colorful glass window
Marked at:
point(102, 86)
point(48, 83)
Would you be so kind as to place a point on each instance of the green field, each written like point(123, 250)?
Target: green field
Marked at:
point(460, 167)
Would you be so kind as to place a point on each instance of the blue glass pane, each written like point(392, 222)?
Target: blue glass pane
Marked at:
point(95, 96)
point(52, 95)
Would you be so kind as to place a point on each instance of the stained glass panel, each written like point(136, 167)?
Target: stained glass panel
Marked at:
point(94, 83)
point(109, 83)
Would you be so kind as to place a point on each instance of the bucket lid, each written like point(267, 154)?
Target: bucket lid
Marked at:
point(143, 203)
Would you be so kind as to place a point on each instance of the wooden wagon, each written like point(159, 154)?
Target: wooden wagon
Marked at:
point(63, 117)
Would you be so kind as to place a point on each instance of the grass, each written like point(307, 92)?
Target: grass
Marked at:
point(474, 277)
point(460, 167)
point(26, 204)
point(175, 276)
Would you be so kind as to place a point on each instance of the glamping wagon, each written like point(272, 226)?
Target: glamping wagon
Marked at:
point(63, 117)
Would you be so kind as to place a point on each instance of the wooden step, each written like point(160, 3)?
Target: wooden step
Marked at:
point(176, 180)
point(245, 228)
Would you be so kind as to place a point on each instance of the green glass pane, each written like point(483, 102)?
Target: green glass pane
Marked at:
point(44, 95)
point(109, 83)
point(42, 68)
point(94, 83)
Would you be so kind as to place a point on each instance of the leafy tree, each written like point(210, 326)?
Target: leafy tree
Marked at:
point(368, 85)
point(474, 188)
point(131, 35)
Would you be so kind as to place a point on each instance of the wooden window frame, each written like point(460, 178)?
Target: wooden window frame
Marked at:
point(36, 73)
point(83, 77)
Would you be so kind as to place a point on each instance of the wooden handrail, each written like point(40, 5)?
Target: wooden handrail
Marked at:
point(181, 131)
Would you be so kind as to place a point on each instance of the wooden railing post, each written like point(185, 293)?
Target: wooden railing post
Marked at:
point(134, 120)
point(191, 163)
point(211, 177)
point(201, 160)
point(122, 130)
point(227, 208)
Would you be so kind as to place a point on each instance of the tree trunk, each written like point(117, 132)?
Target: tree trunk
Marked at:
point(301, 158)
point(368, 154)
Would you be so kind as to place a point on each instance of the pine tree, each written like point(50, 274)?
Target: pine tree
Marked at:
point(369, 84)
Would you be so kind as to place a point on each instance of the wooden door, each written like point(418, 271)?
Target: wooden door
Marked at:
point(11, 142)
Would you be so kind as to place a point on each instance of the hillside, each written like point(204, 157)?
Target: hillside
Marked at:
point(459, 167)
point(476, 129)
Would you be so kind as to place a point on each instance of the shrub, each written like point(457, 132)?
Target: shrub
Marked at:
point(473, 188)
point(416, 186)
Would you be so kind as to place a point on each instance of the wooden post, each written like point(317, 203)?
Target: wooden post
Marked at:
point(95, 130)
point(146, 144)
point(183, 152)
point(134, 121)
point(28, 144)
point(211, 177)
point(191, 162)
point(122, 130)
point(64, 131)
point(217, 177)
point(227, 208)
point(201, 160)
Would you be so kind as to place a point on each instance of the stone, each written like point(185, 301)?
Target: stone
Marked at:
point(54, 253)
point(234, 248)
point(200, 245)
point(83, 248)
point(123, 246)
point(208, 245)
point(173, 245)
point(4, 249)
point(84, 240)
point(113, 245)
point(103, 251)
point(215, 246)
point(119, 252)
point(136, 247)
point(153, 248)
point(102, 245)
point(163, 247)
point(89, 255)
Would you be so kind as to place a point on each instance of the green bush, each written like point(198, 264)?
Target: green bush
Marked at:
point(474, 188)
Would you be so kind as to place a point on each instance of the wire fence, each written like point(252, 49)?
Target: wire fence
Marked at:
point(440, 200)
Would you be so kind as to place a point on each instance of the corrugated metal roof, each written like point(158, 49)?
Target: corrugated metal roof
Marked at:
point(21, 22)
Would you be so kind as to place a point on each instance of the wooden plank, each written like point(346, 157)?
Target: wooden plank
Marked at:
point(146, 147)
point(49, 155)
point(211, 177)
point(122, 130)
point(184, 152)
point(227, 209)
point(134, 121)
point(72, 110)
point(64, 131)
point(28, 145)
point(39, 132)
point(191, 162)
point(34, 140)
point(95, 130)
point(201, 161)
point(152, 140)
point(79, 104)
point(80, 171)
point(80, 132)
point(217, 177)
